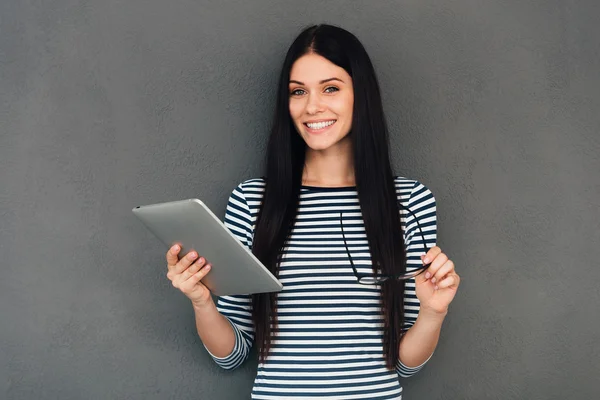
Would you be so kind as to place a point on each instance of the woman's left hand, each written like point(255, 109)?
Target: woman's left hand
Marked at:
point(437, 286)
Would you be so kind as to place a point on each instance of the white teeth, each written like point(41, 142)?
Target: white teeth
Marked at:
point(320, 125)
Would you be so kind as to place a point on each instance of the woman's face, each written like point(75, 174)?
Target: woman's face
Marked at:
point(321, 101)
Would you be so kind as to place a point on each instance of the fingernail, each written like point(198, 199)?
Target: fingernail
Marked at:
point(426, 260)
point(436, 287)
point(427, 275)
point(176, 249)
point(192, 256)
point(433, 280)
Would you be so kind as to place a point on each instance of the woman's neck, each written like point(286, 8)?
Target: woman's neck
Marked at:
point(329, 168)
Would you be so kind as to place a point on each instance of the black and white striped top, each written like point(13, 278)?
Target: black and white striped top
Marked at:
point(329, 342)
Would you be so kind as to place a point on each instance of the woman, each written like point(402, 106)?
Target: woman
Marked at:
point(346, 238)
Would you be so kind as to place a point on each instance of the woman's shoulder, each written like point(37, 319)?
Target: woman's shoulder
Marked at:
point(253, 183)
point(250, 187)
point(408, 187)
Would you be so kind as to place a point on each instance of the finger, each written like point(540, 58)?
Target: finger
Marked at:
point(451, 280)
point(436, 265)
point(431, 254)
point(172, 254)
point(447, 268)
point(185, 262)
point(195, 267)
point(195, 278)
point(174, 275)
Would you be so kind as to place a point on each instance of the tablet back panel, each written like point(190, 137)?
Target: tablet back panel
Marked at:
point(235, 270)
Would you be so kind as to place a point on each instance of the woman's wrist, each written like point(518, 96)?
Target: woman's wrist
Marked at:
point(204, 307)
point(432, 315)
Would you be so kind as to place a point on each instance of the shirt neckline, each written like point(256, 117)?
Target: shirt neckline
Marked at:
point(327, 188)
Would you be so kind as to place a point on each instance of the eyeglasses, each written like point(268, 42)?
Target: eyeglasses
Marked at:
point(367, 279)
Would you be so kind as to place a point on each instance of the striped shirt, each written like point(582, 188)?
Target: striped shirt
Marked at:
point(329, 344)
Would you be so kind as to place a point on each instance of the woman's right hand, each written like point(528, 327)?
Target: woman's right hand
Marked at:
point(185, 275)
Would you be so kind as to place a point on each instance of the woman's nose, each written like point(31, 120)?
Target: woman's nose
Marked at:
point(314, 104)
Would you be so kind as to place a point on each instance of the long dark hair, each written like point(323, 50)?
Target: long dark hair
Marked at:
point(373, 174)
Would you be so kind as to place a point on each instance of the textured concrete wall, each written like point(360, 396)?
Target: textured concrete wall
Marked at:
point(109, 104)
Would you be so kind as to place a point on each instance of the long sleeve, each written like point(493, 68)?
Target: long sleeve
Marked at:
point(238, 309)
point(422, 203)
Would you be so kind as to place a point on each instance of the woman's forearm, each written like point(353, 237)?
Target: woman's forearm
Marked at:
point(214, 330)
point(419, 342)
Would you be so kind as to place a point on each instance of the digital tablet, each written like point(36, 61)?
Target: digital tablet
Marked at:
point(235, 270)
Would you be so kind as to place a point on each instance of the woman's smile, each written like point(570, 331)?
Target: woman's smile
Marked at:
point(317, 127)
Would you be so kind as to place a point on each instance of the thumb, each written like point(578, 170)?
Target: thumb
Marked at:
point(421, 277)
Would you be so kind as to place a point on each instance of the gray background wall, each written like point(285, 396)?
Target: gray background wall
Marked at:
point(109, 104)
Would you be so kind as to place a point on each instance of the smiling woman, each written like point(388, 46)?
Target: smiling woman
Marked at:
point(346, 238)
point(321, 103)
point(321, 107)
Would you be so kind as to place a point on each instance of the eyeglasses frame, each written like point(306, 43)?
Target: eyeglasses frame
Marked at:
point(377, 279)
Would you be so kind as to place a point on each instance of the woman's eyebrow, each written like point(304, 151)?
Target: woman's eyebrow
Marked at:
point(320, 83)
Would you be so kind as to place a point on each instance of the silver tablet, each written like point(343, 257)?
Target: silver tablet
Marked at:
point(235, 270)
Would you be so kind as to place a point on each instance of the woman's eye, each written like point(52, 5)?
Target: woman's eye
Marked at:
point(300, 92)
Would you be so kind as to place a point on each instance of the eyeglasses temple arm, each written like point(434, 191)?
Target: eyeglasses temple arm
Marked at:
point(346, 245)
point(418, 225)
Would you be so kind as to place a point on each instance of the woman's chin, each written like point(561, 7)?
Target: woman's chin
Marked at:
point(325, 143)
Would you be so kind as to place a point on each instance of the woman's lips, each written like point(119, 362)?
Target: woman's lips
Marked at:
point(317, 131)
